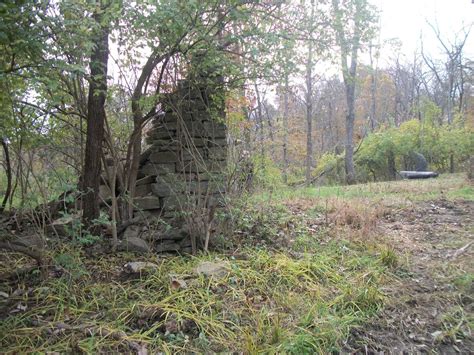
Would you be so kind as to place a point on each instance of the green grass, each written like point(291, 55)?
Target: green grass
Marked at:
point(269, 302)
point(447, 185)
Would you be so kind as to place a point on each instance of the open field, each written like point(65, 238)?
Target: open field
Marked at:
point(373, 267)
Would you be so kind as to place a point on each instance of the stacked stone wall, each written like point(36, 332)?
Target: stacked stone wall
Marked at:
point(184, 167)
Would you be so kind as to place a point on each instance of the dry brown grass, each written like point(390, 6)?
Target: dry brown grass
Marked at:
point(358, 214)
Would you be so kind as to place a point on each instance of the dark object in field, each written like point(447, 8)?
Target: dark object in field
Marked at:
point(416, 162)
point(418, 174)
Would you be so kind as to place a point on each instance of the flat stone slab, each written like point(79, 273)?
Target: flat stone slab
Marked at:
point(140, 267)
point(134, 244)
point(212, 269)
point(147, 202)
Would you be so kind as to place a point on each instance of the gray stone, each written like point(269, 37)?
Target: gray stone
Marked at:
point(144, 156)
point(163, 157)
point(189, 127)
point(216, 200)
point(217, 133)
point(187, 250)
point(217, 186)
point(142, 190)
point(420, 162)
point(215, 130)
point(157, 169)
point(170, 115)
point(165, 145)
point(33, 241)
point(197, 107)
point(145, 181)
point(217, 166)
point(220, 142)
point(217, 153)
point(167, 246)
point(192, 167)
point(179, 157)
point(147, 202)
point(196, 142)
point(104, 193)
point(173, 234)
point(161, 189)
point(58, 229)
point(172, 202)
point(132, 231)
point(197, 187)
point(169, 215)
point(212, 269)
point(135, 245)
point(186, 242)
point(193, 154)
point(152, 216)
point(161, 132)
point(204, 176)
point(63, 226)
point(140, 267)
point(177, 282)
point(171, 125)
point(415, 162)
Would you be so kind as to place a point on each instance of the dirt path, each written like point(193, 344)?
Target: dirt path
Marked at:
point(430, 308)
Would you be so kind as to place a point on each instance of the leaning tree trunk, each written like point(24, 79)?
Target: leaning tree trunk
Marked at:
point(95, 123)
point(8, 170)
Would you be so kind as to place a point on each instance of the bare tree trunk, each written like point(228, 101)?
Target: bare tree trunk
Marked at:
point(349, 48)
point(373, 88)
point(135, 143)
point(285, 131)
point(270, 131)
point(95, 123)
point(392, 170)
point(309, 100)
point(260, 124)
point(350, 118)
point(134, 164)
point(8, 170)
point(112, 180)
point(349, 157)
point(309, 113)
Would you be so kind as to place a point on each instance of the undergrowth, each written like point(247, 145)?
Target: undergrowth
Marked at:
point(270, 301)
point(305, 271)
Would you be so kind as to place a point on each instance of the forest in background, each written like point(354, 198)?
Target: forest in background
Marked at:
point(299, 96)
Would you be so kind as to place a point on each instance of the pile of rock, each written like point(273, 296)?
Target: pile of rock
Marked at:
point(141, 238)
point(184, 166)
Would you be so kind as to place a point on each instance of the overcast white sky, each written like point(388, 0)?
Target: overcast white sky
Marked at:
point(407, 19)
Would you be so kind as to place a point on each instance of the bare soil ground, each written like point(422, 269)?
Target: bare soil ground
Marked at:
point(430, 307)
